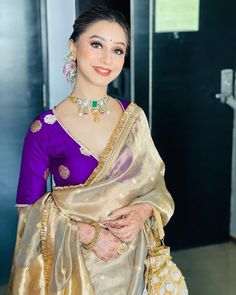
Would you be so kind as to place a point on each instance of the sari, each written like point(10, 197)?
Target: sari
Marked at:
point(48, 255)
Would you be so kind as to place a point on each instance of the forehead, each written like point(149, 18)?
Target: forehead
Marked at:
point(106, 29)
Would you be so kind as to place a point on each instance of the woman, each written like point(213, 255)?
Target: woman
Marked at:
point(87, 236)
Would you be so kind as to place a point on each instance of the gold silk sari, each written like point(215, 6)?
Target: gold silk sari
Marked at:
point(48, 255)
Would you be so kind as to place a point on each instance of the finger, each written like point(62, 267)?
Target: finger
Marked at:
point(118, 223)
point(129, 234)
point(126, 222)
point(123, 221)
point(130, 237)
point(117, 234)
point(114, 232)
point(118, 213)
point(112, 255)
point(127, 238)
point(121, 231)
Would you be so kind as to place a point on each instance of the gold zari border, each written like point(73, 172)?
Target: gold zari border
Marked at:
point(106, 160)
point(113, 147)
point(43, 238)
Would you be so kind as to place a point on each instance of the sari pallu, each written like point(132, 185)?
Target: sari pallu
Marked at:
point(48, 256)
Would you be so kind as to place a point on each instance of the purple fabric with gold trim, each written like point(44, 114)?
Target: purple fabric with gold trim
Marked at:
point(48, 147)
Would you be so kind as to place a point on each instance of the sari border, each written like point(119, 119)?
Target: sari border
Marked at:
point(43, 239)
point(116, 142)
point(112, 149)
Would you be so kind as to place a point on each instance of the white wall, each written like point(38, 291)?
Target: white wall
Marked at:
point(60, 19)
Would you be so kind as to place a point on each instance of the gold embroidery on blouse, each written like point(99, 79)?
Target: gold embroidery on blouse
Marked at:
point(36, 126)
point(46, 173)
point(64, 171)
point(49, 119)
point(84, 151)
point(117, 140)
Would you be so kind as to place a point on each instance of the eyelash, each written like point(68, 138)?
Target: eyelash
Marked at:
point(97, 43)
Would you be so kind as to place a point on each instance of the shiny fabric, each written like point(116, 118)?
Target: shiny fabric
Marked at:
point(48, 256)
point(50, 148)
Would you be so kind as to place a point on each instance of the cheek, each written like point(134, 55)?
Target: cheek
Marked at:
point(87, 53)
point(119, 62)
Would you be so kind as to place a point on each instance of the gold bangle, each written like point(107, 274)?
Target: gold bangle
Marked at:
point(95, 238)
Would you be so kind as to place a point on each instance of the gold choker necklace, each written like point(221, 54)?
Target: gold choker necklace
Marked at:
point(95, 106)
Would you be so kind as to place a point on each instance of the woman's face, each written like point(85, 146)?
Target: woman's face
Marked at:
point(100, 52)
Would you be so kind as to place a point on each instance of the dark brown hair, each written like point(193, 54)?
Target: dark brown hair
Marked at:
point(98, 13)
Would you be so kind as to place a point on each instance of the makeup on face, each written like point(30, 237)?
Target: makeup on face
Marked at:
point(99, 40)
point(103, 39)
point(102, 71)
point(101, 48)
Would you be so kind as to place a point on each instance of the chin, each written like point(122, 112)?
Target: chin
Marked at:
point(99, 83)
point(103, 82)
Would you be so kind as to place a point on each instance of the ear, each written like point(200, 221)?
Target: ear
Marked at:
point(73, 49)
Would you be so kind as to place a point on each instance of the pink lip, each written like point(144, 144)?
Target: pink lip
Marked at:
point(97, 69)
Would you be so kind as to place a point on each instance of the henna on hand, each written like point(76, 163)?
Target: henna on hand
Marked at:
point(86, 232)
point(106, 247)
point(129, 222)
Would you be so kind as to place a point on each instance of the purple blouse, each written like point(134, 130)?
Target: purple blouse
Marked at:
point(49, 148)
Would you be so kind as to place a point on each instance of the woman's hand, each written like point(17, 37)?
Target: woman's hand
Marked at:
point(106, 246)
point(107, 243)
point(125, 223)
point(86, 232)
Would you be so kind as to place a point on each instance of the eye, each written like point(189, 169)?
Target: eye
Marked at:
point(118, 51)
point(96, 44)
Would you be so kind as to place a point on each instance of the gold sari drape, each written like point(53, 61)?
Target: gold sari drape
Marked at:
point(48, 256)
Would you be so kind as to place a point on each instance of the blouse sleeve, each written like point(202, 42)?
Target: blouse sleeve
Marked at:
point(34, 166)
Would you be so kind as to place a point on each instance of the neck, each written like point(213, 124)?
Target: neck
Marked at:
point(89, 91)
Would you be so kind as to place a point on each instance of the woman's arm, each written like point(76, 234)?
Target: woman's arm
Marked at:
point(34, 165)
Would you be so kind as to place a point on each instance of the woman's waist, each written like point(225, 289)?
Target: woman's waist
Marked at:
point(84, 204)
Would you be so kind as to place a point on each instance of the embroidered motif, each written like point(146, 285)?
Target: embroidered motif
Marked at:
point(84, 151)
point(125, 124)
point(64, 171)
point(46, 173)
point(50, 119)
point(36, 126)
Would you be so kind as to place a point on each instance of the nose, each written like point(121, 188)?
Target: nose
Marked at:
point(106, 57)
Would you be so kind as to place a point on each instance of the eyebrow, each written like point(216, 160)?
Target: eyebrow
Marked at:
point(99, 37)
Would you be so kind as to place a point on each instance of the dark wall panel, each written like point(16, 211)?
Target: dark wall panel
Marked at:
point(21, 99)
point(192, 129)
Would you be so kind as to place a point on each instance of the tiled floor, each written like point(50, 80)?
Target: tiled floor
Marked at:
point(209, 270)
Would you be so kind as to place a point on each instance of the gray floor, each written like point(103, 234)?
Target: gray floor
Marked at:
point(209, 270)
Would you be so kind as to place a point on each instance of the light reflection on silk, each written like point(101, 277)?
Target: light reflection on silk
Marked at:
point(48, 256)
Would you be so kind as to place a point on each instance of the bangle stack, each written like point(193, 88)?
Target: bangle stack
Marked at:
point(121, 249)
point(92, 244)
